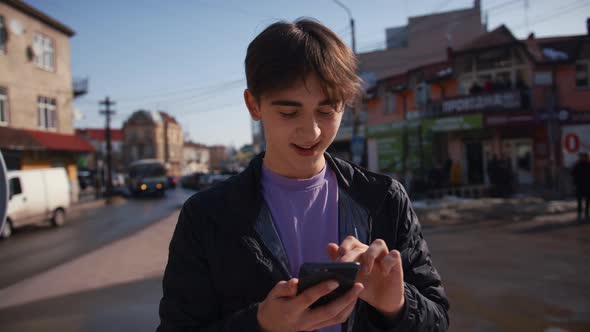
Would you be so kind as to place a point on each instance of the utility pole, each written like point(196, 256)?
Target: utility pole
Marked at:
point(108, 113)
point(355, 142)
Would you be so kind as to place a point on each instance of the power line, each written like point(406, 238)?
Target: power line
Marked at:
point(564, 10)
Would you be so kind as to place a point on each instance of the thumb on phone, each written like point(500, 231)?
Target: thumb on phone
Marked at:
point(284, 288)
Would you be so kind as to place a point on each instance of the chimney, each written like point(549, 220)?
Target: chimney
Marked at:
point(588, 25)
point(477, 4)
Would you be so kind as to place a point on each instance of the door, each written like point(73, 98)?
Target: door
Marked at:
point(488, 155)
point(34, 194)
point(475, 167)
point(520, 153)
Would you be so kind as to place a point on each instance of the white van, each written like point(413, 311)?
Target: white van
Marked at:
point(36, 196)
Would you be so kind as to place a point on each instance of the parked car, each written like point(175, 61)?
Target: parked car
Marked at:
point(36, 196)
point(191, 181)
point(172, 181)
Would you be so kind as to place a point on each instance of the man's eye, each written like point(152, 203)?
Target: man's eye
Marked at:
point(288, 114)
point(326, 112)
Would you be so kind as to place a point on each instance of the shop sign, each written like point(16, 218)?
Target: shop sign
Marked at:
point(502, 100)
point(499, 120)
point(574, 139)
point(466, 122)
point(390, 153)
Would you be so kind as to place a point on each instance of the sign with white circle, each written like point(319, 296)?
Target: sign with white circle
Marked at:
point(574, 139)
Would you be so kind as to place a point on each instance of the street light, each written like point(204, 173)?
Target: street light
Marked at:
point(357, 142)
point(351, 23)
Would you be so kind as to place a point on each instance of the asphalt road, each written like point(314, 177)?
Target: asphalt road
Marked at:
point(32, 250)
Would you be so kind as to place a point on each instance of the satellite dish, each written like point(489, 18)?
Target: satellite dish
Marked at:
point(3, 192)
point(17, 27)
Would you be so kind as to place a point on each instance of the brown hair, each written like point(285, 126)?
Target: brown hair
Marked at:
point(287, 52)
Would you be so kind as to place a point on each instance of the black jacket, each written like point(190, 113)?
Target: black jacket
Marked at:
point(581, 177)
point(225, 254)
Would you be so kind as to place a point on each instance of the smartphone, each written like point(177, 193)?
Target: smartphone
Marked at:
point(311, 274)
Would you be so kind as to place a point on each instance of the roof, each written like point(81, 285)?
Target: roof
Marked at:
point(153, 116)
point(557, 49)
point(39, 15)
point(428, 40)
point(167, 117)
point(99, 134)
point(498, 37)
point(195, 145)
point(27, 139)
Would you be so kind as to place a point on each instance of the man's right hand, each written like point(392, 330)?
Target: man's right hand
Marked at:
point(285, 311)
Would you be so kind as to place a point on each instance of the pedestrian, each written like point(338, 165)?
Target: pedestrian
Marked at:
point(581, 177)
point(237, 247)
point(493, 171)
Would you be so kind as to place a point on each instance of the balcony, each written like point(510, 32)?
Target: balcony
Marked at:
point(80, 87)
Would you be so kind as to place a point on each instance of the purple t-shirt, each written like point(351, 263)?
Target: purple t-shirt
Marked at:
point(305, 213)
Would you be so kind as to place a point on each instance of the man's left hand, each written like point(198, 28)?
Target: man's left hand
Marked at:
point(381, 273)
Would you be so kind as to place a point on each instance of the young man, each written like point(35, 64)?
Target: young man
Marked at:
point(238, 246)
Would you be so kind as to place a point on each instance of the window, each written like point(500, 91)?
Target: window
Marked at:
point(422, 95)
point(47, 112)
point(44, 52)
point(582, 74)
point(390, 100)
point(3, 106)
point(15, 187)
point(3, 35)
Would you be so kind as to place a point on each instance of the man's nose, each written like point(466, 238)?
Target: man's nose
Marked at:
point(309, 128)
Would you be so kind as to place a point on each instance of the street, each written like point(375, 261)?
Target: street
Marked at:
point(507, 265)
point(35, 249)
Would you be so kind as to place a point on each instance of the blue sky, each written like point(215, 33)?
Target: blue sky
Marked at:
point(186, 56)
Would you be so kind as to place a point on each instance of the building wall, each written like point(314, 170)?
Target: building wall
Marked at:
point(25, 81)
point(568, 94)
point(217, 154)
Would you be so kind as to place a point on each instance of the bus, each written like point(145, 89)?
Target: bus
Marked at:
point(147, 176)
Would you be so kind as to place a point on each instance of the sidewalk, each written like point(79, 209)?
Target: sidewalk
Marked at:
point(138, 257)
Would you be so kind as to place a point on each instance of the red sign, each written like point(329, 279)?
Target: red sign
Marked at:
point(572, 142)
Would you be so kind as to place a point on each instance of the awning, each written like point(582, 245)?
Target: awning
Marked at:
point(35, 140)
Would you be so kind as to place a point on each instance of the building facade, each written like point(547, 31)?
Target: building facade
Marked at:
point(97, 138)
point(37, 92)
point(496, 101)
point(424, 40)
point(154, 135)
point(218, 156)
point(196, 158)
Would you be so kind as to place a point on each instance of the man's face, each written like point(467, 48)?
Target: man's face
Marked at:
point(299, 125)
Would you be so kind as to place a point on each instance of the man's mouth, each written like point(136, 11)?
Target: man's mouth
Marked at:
point(306, 149)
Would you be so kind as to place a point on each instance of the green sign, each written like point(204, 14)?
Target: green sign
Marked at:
point(466, 122)
point(390, 151)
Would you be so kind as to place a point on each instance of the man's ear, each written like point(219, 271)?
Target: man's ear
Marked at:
point(252, 105)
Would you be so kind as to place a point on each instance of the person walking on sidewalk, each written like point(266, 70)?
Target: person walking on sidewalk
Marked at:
point(237, 247)
point(581, 177)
